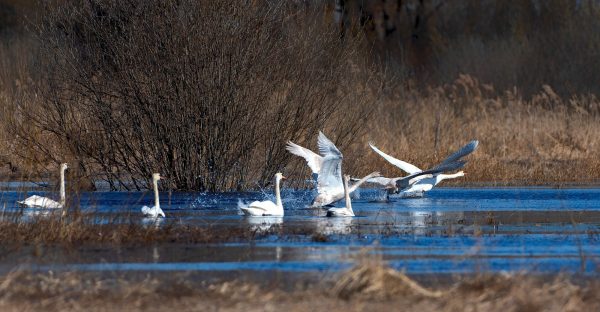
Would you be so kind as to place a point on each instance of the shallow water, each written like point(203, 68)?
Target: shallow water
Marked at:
point(451, 230)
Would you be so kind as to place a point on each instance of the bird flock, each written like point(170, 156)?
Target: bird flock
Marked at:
point(330, 182)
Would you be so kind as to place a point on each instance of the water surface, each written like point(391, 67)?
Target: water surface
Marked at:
point(451, 230)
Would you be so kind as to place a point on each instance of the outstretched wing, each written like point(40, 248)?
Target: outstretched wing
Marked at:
point(330, 175)
point(409, 168)
point(326, 147)
point(462, 152)
point(313, 160)
point(379, 180)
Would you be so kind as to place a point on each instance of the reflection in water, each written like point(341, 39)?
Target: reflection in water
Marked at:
point(263, 223)
point(339, 225)
point(150, 221)
point(30, 214)
point(406, 194)
point(155, 254)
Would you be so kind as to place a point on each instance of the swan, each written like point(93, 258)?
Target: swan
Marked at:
point(327, 168)
point(418, 189)
point(36, 201)
point(423, 183)
point(345, 211)
point(155, 211)
point(267, 207)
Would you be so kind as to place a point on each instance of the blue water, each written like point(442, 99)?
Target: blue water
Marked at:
point(451, 230)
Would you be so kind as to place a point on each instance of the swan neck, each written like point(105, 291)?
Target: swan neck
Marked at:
point(358, 183)
point(156, 200)
point(278, 193)
point(347, 196)
point(449, 176)
point(63, 195)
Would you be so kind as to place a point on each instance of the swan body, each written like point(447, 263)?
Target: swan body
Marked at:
point(267, 207)
point(36, 201)
point(418, 189)
point(327, 168)
point(154, 211)
point(345, 211)
point(420, 181)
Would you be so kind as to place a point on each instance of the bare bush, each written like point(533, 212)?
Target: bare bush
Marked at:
point(206, 93)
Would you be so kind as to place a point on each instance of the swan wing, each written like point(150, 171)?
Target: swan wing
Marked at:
point(462, 152)
point(409, 168)
point(326, 147)
point(330, 175)
point(380, 180)
point(312, 159)
point(266, 205)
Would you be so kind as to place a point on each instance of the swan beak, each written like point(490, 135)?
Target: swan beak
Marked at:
point(283, 178)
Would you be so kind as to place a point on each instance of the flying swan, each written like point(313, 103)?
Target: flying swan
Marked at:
point(36, 201)
point(155, 211)
point(267, 207)
point(328, 169)
point(427, 182)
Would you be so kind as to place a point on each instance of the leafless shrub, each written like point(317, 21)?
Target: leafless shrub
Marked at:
point(207, 94)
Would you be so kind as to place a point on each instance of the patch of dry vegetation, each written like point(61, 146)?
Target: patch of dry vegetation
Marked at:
point(544, 140)
point(209, 96)
point(380, 288)
point(54, 230)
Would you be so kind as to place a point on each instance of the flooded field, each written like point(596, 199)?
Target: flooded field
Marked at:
point(450, 231)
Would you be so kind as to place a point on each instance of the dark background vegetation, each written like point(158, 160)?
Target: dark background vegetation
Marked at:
point(208, 93)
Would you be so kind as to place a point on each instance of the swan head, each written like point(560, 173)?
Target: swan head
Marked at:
point(279, 176)
point(156, 177)
point(64, 166)
point(346, 178)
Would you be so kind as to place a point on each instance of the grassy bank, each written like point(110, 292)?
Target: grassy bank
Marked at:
point(368, 286)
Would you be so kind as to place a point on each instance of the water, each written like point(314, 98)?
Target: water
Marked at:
point(451, 230)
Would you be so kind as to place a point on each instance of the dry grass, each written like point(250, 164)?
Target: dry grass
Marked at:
point(541, 138)
point(545, 140)
point(383, 289)
point(54, 230)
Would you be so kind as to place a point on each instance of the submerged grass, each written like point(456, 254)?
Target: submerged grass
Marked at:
point(368, 286)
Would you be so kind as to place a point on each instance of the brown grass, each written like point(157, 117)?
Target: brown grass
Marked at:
point(537, 123)
point(54, 230)
point(545, 140)
point(22, 291)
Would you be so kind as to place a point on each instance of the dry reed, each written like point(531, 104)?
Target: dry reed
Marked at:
point(23, 291)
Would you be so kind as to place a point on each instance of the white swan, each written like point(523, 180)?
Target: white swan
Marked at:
point(328, 169)
point(267, 207)
point(155, 211)
point(345, 211)
point(416, 187)
point(36, 201)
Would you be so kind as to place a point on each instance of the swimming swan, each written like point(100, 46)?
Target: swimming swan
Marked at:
point(267, 207)
point(346, 211)
point(155, 211)
point(36, 201)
